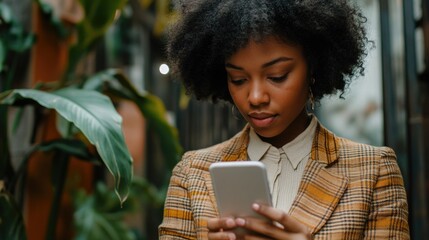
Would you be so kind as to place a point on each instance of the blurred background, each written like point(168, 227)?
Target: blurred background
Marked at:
point(57, 44)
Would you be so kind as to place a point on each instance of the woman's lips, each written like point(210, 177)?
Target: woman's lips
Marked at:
point(261, 120)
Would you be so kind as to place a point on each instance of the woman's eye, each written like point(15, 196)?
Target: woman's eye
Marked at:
point(279, 79)
point(237, 81)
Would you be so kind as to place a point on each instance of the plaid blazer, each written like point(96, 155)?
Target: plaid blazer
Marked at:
point(348, 190)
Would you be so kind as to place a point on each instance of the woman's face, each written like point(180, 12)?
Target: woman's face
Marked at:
point(268, 82)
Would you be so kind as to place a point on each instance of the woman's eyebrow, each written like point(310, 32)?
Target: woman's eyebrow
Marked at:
point(275, 61)
point(265, 65)
point(229, 65)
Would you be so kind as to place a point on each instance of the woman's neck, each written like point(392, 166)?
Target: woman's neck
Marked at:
point(291, 132)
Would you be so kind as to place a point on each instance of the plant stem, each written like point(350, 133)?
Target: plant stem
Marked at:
point(6, 170)
point(59, 182)
point(11, 74)
point(5, 166)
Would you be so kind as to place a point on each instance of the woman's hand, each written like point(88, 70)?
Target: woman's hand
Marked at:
point(284, 227)
point(281, 226)
point(221, 228)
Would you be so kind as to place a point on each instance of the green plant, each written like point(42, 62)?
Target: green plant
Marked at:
point(98, 215)
point(85, 104)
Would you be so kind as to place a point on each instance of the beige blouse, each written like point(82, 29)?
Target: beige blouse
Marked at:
point(285, 165)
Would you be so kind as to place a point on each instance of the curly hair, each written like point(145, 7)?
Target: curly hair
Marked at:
point(331, 32)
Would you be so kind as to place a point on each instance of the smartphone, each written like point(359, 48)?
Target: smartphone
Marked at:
point(237, 185)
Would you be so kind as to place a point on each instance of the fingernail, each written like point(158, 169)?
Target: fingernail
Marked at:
point(256, 206)
point(231, 236)
point(240, 221)
point(230, 223)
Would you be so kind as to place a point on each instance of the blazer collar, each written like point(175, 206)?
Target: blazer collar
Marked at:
point(237, 149)
point(325, 147)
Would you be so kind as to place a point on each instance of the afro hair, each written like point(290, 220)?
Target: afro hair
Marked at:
point(331, 33)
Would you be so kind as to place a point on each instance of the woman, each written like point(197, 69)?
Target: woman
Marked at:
point(271, 59)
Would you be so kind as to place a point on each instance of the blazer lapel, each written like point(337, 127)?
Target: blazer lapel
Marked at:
point(321, 189)
point(318, 195)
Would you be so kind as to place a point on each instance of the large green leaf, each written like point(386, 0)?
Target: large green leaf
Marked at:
point(11, 221)
point(95, 115)
point(115, 83)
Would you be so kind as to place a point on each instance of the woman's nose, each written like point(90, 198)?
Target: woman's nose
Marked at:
point(258, 94)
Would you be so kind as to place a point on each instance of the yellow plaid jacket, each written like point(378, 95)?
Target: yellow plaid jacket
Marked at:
point(348, 190)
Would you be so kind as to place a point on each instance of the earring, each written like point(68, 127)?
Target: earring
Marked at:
point(311, 100)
